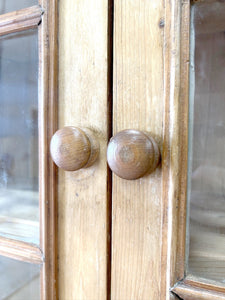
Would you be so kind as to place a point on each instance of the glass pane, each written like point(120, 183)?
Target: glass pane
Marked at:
point(11, 5)
point(206, 186)
point(19, 203)
point(19, 280)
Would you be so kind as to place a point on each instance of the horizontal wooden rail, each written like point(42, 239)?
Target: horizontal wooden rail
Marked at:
point(206, 284)
point(20, 20)
point(197, 291)
point(21, 251)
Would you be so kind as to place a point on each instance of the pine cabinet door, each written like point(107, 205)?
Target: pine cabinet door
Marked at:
point(156, 67)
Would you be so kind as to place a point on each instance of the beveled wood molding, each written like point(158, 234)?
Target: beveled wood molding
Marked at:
point(177, 23)
point(20, 20)
point(206, 284)
point(48, 93)
point(22, 251)
point(190, 292)
point(175, 142)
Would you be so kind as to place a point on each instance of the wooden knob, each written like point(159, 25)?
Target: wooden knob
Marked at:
point(73, 148)
point(131, 154)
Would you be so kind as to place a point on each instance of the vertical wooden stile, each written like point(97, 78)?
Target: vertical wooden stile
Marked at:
point(175, 143)
point(48, 108)
point(137, 104)
point(83, 195)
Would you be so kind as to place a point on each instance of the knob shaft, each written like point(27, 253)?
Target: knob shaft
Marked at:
point(131, 154)
point(73, 148)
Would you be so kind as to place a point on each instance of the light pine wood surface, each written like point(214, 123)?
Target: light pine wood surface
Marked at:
point(150, 93)
point(19, 20)
point(82, 214)
point(175, 144)
point(137, 104)
point(48, 116)
point(187, 292)
point(21, 251)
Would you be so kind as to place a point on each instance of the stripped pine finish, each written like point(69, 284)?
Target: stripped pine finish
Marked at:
point(150, 93)
point(21, 251)
point(137, 104)
point(175, 145)
point(187, 292)
point(83, 196)
point(48, 116)
point(19, 20)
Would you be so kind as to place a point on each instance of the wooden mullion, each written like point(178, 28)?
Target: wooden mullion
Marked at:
point(20, 20)
point(190, 292)
point(22, 251)
point(48, 66)
point(206, 284)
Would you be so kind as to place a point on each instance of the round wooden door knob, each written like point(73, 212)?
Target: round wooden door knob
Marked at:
point(73, 148)
point(131, 154)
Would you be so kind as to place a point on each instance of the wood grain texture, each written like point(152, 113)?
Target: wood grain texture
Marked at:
point(48, 92)
point(19, 20)
point(132, 154)
point(205, 284)
point(187, 292)
point(137, 103)
point(72, 149)
point(21, 251)
point(175, 136)
point(83, 207)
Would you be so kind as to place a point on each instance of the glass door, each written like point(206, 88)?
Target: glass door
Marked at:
point(197, 182)
point(27, 177)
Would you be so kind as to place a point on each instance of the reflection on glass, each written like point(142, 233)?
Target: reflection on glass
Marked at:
point(19, 280)
point(11, 5)
point(206, 188)
point(19, 213)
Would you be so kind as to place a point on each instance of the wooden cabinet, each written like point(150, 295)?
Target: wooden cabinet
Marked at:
point(119, 68)
point(122, 65)
point(125, 65)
